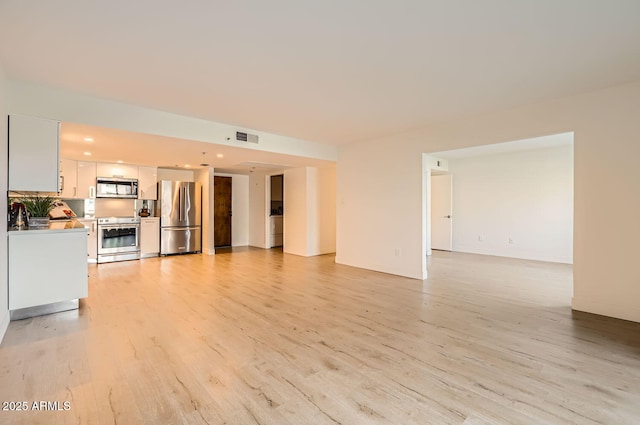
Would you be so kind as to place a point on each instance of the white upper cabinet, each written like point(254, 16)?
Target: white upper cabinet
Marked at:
point(106, 169)
point(148, 183)
point(68, 178)
point(34, 154)
point(86, 180)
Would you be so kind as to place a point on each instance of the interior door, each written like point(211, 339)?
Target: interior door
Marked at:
point(441, 223)
point(222, 211)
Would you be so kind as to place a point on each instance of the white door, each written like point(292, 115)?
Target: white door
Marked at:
point(441, 229)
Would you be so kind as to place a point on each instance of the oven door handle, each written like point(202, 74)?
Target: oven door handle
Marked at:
point(118, 226)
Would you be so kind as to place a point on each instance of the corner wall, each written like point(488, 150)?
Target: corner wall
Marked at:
point(204, 176)
point(309, 211)
point(4, 161)
point(257, 210)
point(295, 211)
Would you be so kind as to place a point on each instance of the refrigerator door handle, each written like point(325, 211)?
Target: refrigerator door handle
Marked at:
point(184, 203)
point(180, 204)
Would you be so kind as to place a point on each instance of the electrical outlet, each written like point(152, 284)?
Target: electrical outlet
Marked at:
point(398, 252)
point(480, 238)
point(511, 240)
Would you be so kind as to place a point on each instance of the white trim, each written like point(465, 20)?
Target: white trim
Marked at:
point(4, 325)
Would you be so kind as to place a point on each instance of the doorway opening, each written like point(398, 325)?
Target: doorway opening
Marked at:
point(441, 211)
point(222, 195)
point(511, 199)
point(276, 211)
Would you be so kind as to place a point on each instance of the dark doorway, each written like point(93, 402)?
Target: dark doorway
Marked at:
point(222, 211)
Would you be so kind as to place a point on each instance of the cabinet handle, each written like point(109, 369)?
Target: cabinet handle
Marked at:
point(92, 191)
point(75, 192)
point(61, 183)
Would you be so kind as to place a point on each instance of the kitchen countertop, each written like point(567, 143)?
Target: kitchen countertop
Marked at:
point(54, 227)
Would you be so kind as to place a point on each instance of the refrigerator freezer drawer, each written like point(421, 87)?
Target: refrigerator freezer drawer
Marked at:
point(179, 240)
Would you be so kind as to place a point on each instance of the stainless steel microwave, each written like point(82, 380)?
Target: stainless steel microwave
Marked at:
point(115, 187)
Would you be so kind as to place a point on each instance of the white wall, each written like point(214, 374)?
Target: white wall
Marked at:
point(324, 228)
point(204, 176)
point(295, 211)
point(175, 175)
point(240, 208)
point(4, 160)
point(257, 210)
point(380, 207)
point(526, 196)
point(381, 181)
point(309, 211)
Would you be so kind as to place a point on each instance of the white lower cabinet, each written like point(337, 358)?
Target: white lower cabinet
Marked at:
point(92, 238)
point(149, 237)
point(276, 230)
point(47, 267)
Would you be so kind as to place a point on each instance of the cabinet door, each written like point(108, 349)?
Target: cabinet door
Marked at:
point(149, 237)
point(68, 178)
point(148, 183)
point(46, 268)
point(86, 179)
point(105, 169)
point(34, 154)
point(92, 239)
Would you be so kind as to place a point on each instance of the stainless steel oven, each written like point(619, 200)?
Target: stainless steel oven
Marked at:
point(118, 239)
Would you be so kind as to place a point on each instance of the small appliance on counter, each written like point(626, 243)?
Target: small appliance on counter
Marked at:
point(144, 211)
point(61, 211)
point(17, 216)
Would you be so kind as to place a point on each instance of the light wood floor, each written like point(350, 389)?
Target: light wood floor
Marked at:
point(261, 337)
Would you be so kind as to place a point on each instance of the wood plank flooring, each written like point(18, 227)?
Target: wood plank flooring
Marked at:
point(262, 337)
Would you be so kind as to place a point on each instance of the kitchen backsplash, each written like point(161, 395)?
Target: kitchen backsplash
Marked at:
point(115, 207)
point(109, 207)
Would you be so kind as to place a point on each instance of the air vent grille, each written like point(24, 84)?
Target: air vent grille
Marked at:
point(244, 137)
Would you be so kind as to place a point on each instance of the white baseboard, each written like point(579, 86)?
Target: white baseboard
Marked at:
point(625, 312)
point(4, 324)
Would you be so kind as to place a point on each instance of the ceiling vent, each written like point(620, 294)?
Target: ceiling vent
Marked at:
point(244, 137)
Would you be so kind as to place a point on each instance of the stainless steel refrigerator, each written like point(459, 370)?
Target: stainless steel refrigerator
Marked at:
point(178, 207)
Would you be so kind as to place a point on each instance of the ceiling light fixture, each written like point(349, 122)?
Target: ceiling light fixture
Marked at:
point(187, 165)
point(87, 153)
point(120, 161)
point(88, 139)
point(220, 155)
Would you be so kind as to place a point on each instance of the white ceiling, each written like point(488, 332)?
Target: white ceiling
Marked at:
point(550, 141)
point(325, 71)
point(111, 145)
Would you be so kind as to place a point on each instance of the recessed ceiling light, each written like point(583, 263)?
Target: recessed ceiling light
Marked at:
point(220, 155)
point(119, 161)
point(87, 153)
point(187, 166)
point(88, 139)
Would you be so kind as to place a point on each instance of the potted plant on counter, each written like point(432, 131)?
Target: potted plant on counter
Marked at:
point(38, 206)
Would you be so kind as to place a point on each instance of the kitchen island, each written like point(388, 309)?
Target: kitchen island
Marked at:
point(47, 269)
